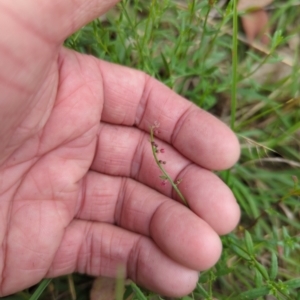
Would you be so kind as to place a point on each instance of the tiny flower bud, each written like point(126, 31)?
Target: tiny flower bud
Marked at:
point(164, 162)
point(156, 132)
point(162, 150)
point(156, 124)
point(163, 182)
point(178, 181)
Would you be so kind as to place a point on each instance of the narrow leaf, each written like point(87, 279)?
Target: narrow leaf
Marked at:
point(255, 293)
point(258, 278)
point(166, 65)
point(137, 291)
point(249, 243)
point(240, 252)
point(262, 270)
point(293, 283)
point(38, 292)
point(274, 266)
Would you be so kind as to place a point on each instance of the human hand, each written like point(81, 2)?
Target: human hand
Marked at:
point(79, 188)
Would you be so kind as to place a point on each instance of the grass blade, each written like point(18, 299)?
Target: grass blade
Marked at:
point(44, 283)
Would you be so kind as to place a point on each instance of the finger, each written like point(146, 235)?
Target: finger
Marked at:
point(101, 249)
point(132, 98)
point(181, 234)
point(131, 156)
point(55, 20)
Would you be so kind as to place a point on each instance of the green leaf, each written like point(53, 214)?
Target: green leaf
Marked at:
point(166, 65)
point(202, 291)
point(254, 293)
point(137, 291)
point(262, 270)
point(38, 292)
point(240, 252)
point(258, 278)
point(293, 283)
point(274, 266)
point(249, 243)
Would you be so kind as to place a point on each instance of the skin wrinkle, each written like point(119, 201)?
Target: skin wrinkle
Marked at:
point(5, 245)
point(84, 264)
point(113, 161)
point(77, 251)
point(36, 156)
point(180, 175)
point(9, 55)
point(59, 212)
point(131, 207)
point(34, 131)
point(184, 116)
point(132, 265)
point(5, 265)
point(114, 254)
point(153, 216)
point(143, 160)
point(95, 199)
point(45, 111)
point(98, 135)
point(143, 103)
point(81, 200)
point(111, 256)
point(73, 141)
point(65, 143)
point(40, 34)
point(97, 250)
point(61, 58)
point(70, 74)
point(126, 194)
point(150, 93)
point(120, 200)
point(7, 168)
point(23, 90)
point(69, 95)
point(101, 81)
point(161, 116)
point(5, 251)
point(137, 158)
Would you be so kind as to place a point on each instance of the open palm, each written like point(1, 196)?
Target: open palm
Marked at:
point(79, 189)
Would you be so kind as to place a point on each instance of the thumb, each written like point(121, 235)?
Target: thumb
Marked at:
point(31, 33)
point(55, 20)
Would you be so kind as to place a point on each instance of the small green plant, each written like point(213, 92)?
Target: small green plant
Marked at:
point(164, 176)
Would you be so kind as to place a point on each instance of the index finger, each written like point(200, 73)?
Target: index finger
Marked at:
point(133, 98)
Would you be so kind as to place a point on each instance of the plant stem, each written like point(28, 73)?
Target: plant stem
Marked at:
point(234, 65)
point(165, 174)
point(234, 74)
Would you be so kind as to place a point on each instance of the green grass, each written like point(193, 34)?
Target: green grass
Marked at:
point(197, 49)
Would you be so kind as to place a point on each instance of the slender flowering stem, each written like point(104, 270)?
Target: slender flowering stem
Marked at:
point(165, 175)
